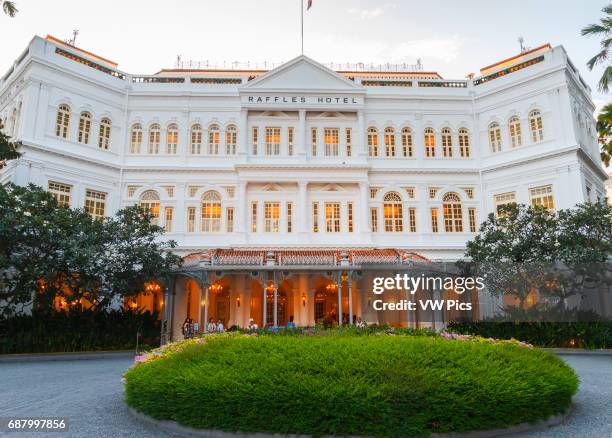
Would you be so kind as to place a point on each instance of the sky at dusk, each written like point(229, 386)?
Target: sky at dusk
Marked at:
point(451, 37)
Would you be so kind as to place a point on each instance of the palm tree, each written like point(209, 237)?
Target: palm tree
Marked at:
point(604, 130)
point(9, 8)
point(604, 30)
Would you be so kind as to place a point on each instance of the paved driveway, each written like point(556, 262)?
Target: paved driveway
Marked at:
point(90, 393)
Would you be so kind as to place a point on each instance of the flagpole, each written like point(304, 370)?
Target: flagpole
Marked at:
point(302, 15)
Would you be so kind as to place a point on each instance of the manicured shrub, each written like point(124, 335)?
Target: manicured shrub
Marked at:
point(343, 384)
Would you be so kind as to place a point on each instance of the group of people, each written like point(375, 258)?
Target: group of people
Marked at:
point(192, 328)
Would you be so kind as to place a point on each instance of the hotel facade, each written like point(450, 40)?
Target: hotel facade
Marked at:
point(283, 188)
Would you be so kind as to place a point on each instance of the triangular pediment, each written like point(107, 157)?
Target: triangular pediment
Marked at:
point(332, 188)
point(302, 73)
point(272, 188)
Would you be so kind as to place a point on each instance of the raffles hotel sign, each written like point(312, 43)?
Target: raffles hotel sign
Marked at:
point(301, 100)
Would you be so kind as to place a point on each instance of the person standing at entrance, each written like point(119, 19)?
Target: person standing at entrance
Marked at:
point(220, 328)
point(212, 327)
point(291, 324)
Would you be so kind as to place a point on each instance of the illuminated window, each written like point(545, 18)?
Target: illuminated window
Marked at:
point(191, 214)
point(373, 142)
point(62, 124)
point(231, 139)
point(254, 139)
point(472, 218)
point(410, 191)
point(172, 139)
point(504, 199)
point(273, 141)
point(289, 217)
point(374, 219)
point(61, 192)
point(349, 142)
point(542, 196)
point(331, 138)
point(290, 140)
point(229, 219)
point(213, 140)
point(332, 217)
point(196, 140)
point(154, 138)
point(447, 142)
point(84, 127)
point(453, 214)
point(211, 212)
point(390, 142)
point(514, 126)
point(495, 138)
point(104, 137)
point(271, 217)
point(412, 218)
point(168, 219)
point(315, 217)
point(313, 141)
point(430, 143)
point(464, 143)
point(95, 203)
point(254, 217)
point(349, 208)
point(149, 202)
point(392, 209)
point(136, 138)
point(407, 143)
point(536, 126)
point(434, 220)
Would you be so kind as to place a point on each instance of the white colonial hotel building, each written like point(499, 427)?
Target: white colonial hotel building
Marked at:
point(295, 180)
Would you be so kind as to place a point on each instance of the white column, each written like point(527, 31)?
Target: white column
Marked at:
point(350, 297)
point(364, 208)
point(242, 208)
point(360, 138)
point(303, 208)
point(243, 133)
point(302, 138)
point(179, 218)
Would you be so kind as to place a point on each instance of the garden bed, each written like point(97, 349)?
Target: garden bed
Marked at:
point(340, 383)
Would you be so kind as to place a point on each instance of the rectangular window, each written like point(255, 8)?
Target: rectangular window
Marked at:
point(412, 219)
point(168, 222)
point(171, 141)
point(434, 220)
point(374, 219)
point(95, 203)
point(61, 192)
point(504, 199)
point(290, 139)
point(349, 209)
point(289, 217)
point(254, 217)
point(229, 219)
point(254, 139)
point(332, 217)
point(407, 143)
point(315, 217)
point(542, 196)
point(191, 214)
point(273, 141)
point(349, 142)
point(331, 138)
point(472, 219)
point(271, 217)
point(313, 141)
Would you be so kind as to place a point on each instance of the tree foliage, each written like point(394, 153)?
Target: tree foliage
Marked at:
point(48, 252)
point(603, 29)
point(604, 130)
point(9, 8)
point(8, 149)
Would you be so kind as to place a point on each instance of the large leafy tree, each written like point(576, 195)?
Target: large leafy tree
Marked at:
point(8, 149)
point(603, 30)
point(604, 130)
point(48, 252)
point(9, 8)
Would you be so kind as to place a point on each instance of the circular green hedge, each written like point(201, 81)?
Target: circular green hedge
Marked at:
point(392, 386)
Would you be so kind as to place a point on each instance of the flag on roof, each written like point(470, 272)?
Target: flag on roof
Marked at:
point(309, 4)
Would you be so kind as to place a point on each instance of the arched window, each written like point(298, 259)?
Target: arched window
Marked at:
point(453, 215)
point(373, 141)
point(104, 136)
point(390, 142)
point(514, 126)
point(154, 138)
point(430, 142)
point(84, 127)
point(394, 222)
point(407, 142)
point(464, 143)
point(536, 126)
point(231, 139)
point(62, 123)
point(136, 138)
point(149, 201)
point(495, 138)
point(196, 140)
point(172, 139)
point(213, 140)
point(447, 142)
point(211, 212)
